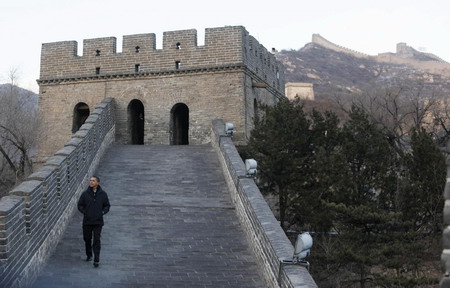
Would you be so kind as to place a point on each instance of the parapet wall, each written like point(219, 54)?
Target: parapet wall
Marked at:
point(437, 66)
point(406, 51)
point(445, 255)
point(34, 215)
point(300, 89)
point(224, 47)
point(316, 38)
point(266, 237)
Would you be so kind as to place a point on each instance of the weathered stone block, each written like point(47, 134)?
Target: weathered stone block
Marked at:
point(447, 212)
point(65, 151)
point(55, 160)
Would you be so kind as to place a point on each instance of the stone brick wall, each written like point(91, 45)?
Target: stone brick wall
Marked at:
point(438, 66)
point(223, 78)
point(445, 256)
point(267, 239)
point(34, 215)
point(300, 89)
point(316, 38)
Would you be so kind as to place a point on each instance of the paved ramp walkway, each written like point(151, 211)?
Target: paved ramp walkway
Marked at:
point(171, 224)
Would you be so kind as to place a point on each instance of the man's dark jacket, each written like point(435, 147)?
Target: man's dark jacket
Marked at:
point(93, 206)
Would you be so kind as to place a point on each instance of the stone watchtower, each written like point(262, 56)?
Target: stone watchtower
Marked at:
point(162, 96)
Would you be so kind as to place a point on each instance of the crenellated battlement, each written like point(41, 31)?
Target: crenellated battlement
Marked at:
point(99, 46)
point(225, 78)
point(224, 46)
point(183, 39)
point(138, 43)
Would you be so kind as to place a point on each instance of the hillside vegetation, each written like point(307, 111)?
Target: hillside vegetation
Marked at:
point(370, 166)
point(334, 72)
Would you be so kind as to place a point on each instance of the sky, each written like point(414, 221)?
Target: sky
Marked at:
point(369, 27)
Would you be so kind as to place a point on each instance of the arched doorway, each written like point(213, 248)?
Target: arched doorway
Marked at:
point(179, 124)
point(80, 114)
point(136, 122)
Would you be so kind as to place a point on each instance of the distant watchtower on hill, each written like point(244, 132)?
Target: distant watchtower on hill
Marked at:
point(162, 96)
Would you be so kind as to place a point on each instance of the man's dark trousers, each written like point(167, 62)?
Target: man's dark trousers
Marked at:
point(88, 231)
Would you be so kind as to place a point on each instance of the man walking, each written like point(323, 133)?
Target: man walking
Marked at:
point(93, 203)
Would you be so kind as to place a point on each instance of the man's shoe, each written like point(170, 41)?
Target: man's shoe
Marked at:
point(96, 264)
point(88, 258)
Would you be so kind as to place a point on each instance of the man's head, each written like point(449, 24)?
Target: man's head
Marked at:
point(93, 182)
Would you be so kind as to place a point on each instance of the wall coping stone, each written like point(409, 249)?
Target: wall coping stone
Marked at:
point(97, 111)
point(42, 173)
point(74, 141)
point(9, 203)
point(92, 118)
point(25, 188)
point(66, 151)
point(55, 160)
point(86, 127)
point(81, 133)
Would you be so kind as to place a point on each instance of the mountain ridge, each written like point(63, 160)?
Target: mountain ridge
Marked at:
point(335, 69)
point(403, 51)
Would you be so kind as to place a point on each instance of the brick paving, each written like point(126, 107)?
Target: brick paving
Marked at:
point(171, 224)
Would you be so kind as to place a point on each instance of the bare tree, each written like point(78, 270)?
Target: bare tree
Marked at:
point(440, 121)
point(18, 132)
point(398, 109)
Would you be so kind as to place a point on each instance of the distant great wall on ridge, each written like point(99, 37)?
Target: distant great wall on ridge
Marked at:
point(405, 55)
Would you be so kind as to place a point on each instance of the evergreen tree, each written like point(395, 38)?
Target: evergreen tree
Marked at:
point(421, 200)
point(324, 133)
point(362, 172)
point(369, 208)
point(280, 143)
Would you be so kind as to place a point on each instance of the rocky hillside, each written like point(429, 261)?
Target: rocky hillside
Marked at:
point(335, 72)
point(27, 97)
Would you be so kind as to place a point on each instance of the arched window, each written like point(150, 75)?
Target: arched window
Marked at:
point(80, 114)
